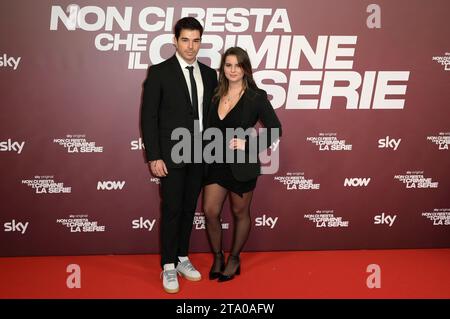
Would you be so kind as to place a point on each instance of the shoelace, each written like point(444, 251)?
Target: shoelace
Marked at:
point(170, 275)
point(187, 265)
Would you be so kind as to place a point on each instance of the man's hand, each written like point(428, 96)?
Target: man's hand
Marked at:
point(158, 168)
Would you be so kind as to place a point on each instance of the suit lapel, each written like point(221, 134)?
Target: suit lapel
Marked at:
point(205, 84)
point(206, 96)
point(181, 80)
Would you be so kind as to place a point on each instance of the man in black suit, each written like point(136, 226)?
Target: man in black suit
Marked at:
point(177, 94)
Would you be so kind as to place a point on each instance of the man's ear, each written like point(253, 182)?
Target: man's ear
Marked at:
point(174, 41)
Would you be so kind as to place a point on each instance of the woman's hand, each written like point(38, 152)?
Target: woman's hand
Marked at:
point(237, 144)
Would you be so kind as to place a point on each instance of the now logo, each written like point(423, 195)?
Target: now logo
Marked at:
point(109, 185)
point(357, 181)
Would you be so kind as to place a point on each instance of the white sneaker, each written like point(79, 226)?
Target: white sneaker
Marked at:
point(170, 281)
point(188, 271)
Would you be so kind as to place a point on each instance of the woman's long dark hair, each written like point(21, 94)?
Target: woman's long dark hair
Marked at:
point(246, 66)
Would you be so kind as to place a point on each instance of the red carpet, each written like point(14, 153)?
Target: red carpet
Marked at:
point(419, 273)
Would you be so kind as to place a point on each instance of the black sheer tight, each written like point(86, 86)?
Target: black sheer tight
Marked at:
point(214, 197)
point(240, 206)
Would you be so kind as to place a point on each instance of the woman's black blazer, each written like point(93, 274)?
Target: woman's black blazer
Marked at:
point(256, 107)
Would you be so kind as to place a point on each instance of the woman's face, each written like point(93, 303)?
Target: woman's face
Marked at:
point(233, 72)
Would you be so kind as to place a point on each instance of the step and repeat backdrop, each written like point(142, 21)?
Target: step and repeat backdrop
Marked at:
point(362, 89)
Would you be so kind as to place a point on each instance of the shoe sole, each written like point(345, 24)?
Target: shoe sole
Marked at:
point(171, 291)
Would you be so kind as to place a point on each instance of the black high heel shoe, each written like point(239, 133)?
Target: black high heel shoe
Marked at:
point(236, 259)
point(218, 258)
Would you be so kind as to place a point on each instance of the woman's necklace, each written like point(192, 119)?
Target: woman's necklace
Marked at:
point(229, 98)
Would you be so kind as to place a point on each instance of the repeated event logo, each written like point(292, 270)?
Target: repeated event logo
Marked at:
point(442, 140)
point(16, 226)
point(438, 216)
point(11, 146)
point(326, 218)
point(266, 221)
point(9, 62)
point(78, 144)
point(200, 222)
point(329, 142)
point(81, 224)
point(144, 224)
point(155, 180)
point(416, 179)
point(443, 60)
point(297, 181)
point(357, 182)
point(384, 219)
point(136, 145)
point(389, 143)
point(110, 185)
point(47, 185)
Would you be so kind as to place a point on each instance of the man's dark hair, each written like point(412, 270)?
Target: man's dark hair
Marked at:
point(189, 23)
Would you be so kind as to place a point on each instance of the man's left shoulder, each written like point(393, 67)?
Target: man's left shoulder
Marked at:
point(205, 68)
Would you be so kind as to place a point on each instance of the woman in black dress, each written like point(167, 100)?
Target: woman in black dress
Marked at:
point(237, 104)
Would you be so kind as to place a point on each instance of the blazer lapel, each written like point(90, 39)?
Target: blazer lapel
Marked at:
point(212, 108)
point(246, 108)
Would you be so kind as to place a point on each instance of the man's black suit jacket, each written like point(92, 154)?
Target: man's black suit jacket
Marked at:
point(166, 105)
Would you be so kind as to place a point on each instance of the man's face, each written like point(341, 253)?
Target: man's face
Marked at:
point(188, 44)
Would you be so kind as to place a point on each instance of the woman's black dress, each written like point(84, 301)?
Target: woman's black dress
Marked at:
point(220, 173)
